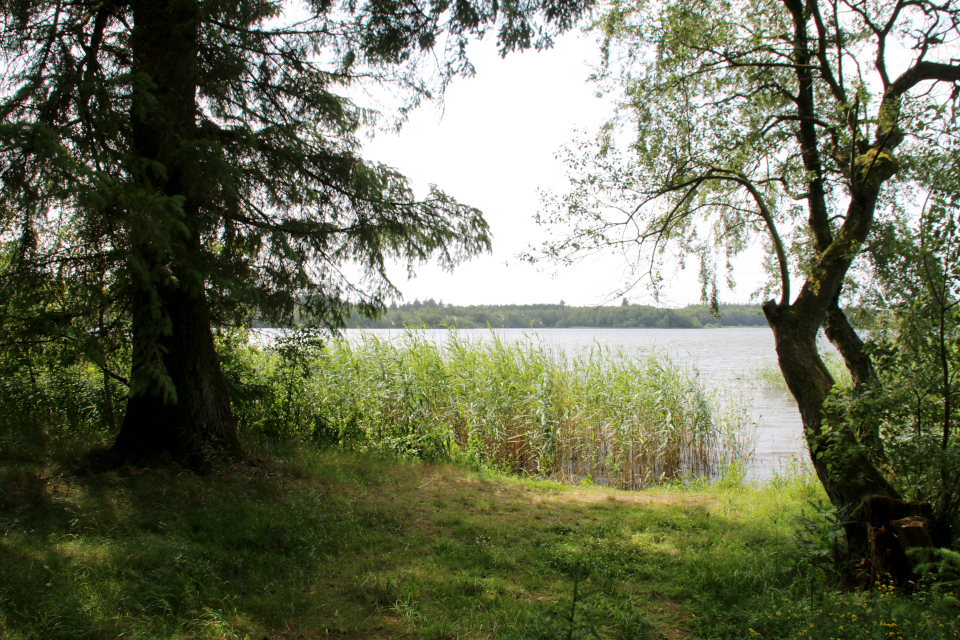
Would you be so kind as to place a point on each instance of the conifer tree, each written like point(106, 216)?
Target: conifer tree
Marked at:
point(170, 164)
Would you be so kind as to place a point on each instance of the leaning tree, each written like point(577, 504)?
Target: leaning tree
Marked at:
point(170, 164)
point(799, 122)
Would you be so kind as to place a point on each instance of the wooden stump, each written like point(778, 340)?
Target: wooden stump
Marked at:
point(893, 527)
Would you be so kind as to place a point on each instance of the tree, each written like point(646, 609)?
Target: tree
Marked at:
point(800, 122)
point(913, 276)
point(170, 164)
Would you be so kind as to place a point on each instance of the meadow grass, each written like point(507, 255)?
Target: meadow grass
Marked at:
point(372, 543)
point(351, 545)
point(599, 416)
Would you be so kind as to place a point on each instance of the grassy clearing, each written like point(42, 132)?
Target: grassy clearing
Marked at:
point(354, 546)
point(602, 417)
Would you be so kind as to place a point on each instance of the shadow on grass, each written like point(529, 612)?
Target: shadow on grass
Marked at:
point(360, 547)
point(161, 552)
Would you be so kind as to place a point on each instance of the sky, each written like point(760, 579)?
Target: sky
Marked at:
point(493, 146)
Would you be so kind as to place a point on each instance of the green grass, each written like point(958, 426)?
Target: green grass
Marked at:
point(355, 546)
point(601, 416)
point(369, 542)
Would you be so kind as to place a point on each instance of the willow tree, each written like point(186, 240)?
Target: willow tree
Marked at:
point(167, 164)
point(795, 122)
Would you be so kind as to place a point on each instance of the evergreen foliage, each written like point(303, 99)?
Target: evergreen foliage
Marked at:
point(167, 164)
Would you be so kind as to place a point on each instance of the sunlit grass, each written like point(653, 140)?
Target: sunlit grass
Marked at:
point(357, 546)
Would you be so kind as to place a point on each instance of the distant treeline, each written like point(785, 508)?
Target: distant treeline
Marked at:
point(548, 316)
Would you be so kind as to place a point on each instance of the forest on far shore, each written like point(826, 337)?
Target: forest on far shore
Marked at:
point(434, 314)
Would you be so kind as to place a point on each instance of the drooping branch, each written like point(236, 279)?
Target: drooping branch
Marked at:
point(767, 215)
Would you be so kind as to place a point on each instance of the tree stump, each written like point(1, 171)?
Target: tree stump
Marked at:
point(893, 527)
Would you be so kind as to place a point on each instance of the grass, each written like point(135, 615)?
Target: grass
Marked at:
point(601, 416)
point(347, 545)
point(366, 540)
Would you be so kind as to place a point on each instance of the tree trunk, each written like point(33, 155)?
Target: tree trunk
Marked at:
point(843, 466)
point(193, 421)
point(196, 427)
point(879, 525)
point(179, 402)
point(862, 373)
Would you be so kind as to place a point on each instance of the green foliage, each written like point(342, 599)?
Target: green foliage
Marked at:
point(53, 403)
point(915, 345)
point(794, 124)
point(820, 539)
point(436, 315)
point(515, 407)
point(704, 156)
point(207, 152)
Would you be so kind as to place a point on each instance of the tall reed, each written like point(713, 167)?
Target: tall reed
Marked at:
point(599, 415)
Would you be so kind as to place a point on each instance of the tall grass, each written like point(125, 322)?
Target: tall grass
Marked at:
point(599, 416)
point(50, 408)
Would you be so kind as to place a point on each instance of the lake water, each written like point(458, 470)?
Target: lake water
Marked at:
point(727, 360)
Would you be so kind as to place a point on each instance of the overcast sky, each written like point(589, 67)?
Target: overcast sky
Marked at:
point(494, 147)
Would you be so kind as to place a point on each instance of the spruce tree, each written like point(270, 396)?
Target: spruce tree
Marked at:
point(171, 164)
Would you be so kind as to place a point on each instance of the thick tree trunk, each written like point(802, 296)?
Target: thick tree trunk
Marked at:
point(879, 525)
point(196, 427)
point(846, 471)
point(179, 401)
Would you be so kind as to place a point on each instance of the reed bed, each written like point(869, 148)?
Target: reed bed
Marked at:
point(599, 416)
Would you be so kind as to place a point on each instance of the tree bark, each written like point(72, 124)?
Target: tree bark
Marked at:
point(197, 428)
point(179, 402)
point(862, 374)
point(844, 456)
point(879, 525)
point(842, 465)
